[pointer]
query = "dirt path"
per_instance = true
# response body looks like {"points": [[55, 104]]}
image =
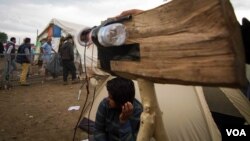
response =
{"points": [[40, 112]]}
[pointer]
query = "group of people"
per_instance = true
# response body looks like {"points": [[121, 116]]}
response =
{"points": [[118, 115], [23, 57], [66, 56]]}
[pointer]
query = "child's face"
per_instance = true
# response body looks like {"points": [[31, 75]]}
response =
{"points": [[111, 102]]}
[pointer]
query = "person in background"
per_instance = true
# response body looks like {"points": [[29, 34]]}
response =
{"points": [[118, 115], [47, 50], [40, 59], [10, 56], [32, 55], [62, 39], [77, 62], [24, 58], [1, 49], [67, 55]]}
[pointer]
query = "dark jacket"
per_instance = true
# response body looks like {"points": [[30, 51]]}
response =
{"points": [[22, 56], [66, 51], [1, 48]]}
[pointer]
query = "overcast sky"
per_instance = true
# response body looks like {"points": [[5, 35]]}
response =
{"points": [[22, 18]]}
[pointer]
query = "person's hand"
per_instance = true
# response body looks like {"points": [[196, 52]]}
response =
{"points": [[127, 111], [129, 12], [33, 63], [54, 50], [8, 57]]}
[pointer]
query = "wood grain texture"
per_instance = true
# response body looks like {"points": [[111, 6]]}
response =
{"points": [[192, 42]]}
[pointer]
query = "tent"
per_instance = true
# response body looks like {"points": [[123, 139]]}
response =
{"points": [[191, 113], [57, 28]]}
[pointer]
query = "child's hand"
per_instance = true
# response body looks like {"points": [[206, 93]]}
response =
{"points": [[127, 111]]}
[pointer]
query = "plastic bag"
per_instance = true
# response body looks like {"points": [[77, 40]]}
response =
{"points": [[54, 66]]}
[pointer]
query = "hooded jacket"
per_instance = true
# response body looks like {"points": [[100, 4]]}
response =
{"points": [[66, 51]]}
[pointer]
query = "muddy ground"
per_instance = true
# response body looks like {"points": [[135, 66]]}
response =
{"points": [[39, 112]]}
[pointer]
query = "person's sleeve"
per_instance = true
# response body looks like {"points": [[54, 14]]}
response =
{"points": [[42, 46], [9, 49], [126, 132], [72, 52], [54, 51], [45, 48], [27, 54], [130, 129], [8, 55], [99, 133], [60, 51]]}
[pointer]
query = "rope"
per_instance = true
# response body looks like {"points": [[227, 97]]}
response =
{"points": [[87, 88]]}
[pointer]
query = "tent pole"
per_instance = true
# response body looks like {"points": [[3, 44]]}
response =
{"points": [[151, 118]]}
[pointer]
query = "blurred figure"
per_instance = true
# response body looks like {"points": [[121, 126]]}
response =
{"points": [[1, 49], [24, 58], [10, 56], [47, 50], [32, 55], [77, 62], [67, 55], [40, 59], [61, 42]]}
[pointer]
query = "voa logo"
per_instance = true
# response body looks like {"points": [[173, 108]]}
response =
{"points": [[236, 132]]}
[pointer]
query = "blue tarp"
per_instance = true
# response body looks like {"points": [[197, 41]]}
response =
{"points": [[56, 31]]}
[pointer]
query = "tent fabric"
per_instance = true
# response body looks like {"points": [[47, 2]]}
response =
{"points": [[50, 32], [212, 127], [73, 29], [186, 115], [239, 101], [248, 72], [218, 102]]}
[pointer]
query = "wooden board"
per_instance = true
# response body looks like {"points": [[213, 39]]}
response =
{"points": [[191, 42]]}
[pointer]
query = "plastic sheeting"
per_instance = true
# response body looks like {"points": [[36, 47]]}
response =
{"points": [[54, 66], [56, 31]]}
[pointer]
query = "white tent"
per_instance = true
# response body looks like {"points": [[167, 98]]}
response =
{"points": [[188, 111], [72, 29]]}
